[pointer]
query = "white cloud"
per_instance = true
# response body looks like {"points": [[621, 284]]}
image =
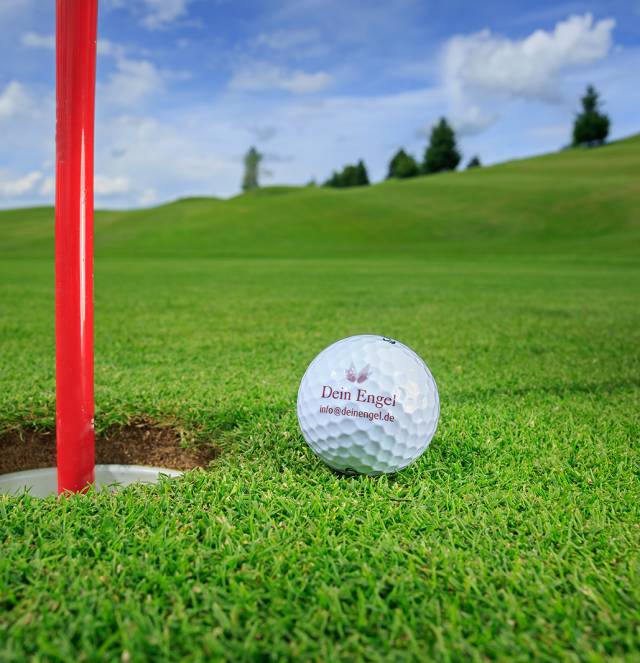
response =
{"points": [[34, 40], [133, 81], [529, 67], [27, 126], [472, 119], [143, 160], [153, 14], [148, 197], [260, 76], [109, 48], [14, 100], [19, 186], [103, 185], [162, 12], [306, 42], [48, 187], [482, 64]]}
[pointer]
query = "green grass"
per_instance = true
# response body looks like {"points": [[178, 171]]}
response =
{"points": [[517, 534]]}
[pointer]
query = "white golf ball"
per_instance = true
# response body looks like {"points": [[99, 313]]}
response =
{"points": [[368, 404]]}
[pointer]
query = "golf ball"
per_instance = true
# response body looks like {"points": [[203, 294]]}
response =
{"points": [[368, 404]]}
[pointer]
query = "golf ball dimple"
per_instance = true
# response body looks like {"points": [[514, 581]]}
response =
{"points": [[368, 404]]}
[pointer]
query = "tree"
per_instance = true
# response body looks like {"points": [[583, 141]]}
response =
{"points": [[442, 153], [252, 161], [362, 178], [402, 166], [474, 162], [591, 127], [335, 180], [349, 176]]}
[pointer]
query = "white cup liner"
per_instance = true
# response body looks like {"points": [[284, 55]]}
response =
{"points": [[44, 482]]}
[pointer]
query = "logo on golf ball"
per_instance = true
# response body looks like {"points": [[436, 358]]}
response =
{"points": [[377, 415], [355, 376]]}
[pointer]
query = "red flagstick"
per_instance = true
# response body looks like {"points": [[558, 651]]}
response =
{"points": [[76, 29]]}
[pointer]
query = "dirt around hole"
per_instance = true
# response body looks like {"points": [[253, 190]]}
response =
{"points": [[134, 444]]}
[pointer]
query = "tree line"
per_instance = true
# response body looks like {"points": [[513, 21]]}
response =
{"points": [[590, 128]]}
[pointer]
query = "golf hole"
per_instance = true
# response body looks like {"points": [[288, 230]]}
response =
{"points": [[44, 482], [137, 452]]}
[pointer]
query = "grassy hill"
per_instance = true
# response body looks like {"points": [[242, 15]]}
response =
{"points": [[514, 537], [574, 202]]}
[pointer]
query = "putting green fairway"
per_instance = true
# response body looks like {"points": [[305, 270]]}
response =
{"points": [[515, 536]]}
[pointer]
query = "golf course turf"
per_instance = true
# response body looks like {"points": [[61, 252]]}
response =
{"points": [[515, 536]]}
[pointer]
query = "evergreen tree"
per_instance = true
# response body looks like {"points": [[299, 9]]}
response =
{"points": [[402, 166], [335, 180], [474, 162], [252, 161], [362, 176], [591, 127], [442, 153], [349, 176]]}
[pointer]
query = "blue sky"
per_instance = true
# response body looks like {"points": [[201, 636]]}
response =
{"points": [[186, 86]]}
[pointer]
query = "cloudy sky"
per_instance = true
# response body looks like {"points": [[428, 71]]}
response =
{"points": [[186, 86]]}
